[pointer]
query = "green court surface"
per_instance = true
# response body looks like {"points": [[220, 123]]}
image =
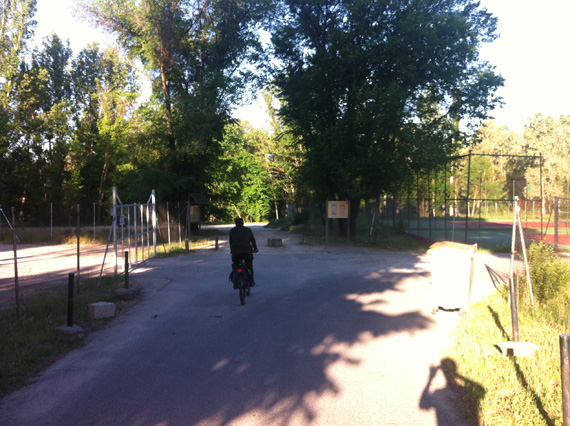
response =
{"points": [[491, 235]]}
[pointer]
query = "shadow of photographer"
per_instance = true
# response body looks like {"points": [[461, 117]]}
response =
{"points": [[457, 395]]}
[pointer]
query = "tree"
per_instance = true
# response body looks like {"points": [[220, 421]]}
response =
{"points": [[106, 92], [40, 125], [16, 28], [373, 88], [548, 137], [195, 52], [241, 181]]}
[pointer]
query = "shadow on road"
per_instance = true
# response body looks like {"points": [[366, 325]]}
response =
{"points": [[205, 360], [277, 362], [454, 393]]}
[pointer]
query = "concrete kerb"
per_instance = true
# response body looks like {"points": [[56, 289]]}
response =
{"points": [[68, 333]]}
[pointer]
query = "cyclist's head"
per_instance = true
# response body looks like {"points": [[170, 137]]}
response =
{"points": [[239, 221]]}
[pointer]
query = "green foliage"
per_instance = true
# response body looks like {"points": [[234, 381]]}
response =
{"points": [[550, 275], [550, 279], [373, 88], [516, 390], [240, 180]]}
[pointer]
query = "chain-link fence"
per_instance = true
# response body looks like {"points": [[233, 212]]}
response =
{"points": [[29, 261], [34, 258], [561, 235], [487, 222]]}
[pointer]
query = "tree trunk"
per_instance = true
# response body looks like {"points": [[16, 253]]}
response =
{"points": [[354, 210]]}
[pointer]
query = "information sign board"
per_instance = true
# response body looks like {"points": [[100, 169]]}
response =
{"points": [[337, 209]]}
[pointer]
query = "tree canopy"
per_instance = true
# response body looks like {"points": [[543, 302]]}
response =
{"points": [[374, 88], [363, 94]]}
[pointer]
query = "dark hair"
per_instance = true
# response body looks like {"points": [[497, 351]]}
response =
{"points": [[239, 221]]}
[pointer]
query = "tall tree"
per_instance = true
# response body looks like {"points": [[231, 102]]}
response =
{"points": [[106, 91], [241, 181], [16, 28], [548, 137], [150, 31], [375, 87], [41, 104]]}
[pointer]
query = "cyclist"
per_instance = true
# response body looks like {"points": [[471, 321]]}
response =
{"points": [[242, 246]]}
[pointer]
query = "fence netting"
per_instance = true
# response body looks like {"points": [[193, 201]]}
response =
{"points": [[37, 258]]}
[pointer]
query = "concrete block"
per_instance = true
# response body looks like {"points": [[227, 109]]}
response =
{"points": [[65, 332], [126, 293], [517, 348], [100, 310], [275, 242]]}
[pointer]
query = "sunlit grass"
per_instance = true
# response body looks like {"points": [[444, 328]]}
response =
{"points": [[518, 390]]}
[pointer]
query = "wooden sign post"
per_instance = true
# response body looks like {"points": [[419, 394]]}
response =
{"points": [[338, 210]]}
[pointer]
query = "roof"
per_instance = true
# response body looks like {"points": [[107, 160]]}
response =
{"points": [[197, 198]]}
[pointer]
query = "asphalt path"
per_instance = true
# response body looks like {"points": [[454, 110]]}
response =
{"points": [[329, 336]]}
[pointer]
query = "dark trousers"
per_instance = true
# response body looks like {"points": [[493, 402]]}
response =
{"points": [[248, 261]]}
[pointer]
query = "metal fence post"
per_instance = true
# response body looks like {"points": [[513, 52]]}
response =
{"points": [[94, 223], [126, 269], [565, 376], [15, 246], [78, 246], [168, 223], [70, 292]]}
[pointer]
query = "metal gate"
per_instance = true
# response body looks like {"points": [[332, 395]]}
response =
{"points": [[133, 233]]}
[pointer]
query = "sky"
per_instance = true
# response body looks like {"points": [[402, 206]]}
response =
{"points": [[531, 54]]}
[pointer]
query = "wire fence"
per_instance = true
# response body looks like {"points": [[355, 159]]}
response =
{"points": [[26, 267], [487, 222], [40, 258]]}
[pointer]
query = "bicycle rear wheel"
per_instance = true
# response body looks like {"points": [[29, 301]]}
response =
{"points": [[242, 290]]}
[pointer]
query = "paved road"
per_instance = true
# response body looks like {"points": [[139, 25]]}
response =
{"points": [[329, 337]]}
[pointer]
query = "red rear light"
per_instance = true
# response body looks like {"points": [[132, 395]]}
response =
{"points": [[240, 271]]}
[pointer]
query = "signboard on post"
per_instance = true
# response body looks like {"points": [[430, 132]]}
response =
{"points": [[337, 210], [194, 214]]}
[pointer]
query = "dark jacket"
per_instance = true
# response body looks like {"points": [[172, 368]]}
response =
{"points": [[242, 240]]}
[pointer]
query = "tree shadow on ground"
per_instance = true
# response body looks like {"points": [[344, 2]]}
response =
{"points": [[207, 361], [277, 366]]}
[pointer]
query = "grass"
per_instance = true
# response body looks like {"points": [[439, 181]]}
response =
{"points": [[30, 344], [57, 235], [508, 390], [518, 390], [386, 238]]}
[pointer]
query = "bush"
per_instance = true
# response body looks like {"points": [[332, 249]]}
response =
{"points": [[550, 279], [550, 275], [282, 224], [301, 217]]}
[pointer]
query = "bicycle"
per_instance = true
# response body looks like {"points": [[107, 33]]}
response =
{"points": [[243, 282]]}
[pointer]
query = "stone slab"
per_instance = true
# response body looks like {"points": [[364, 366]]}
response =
{"points": [[65, 332], [100, 310], [126, 293]]}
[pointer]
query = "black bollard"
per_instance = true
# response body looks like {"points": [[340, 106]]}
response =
{"points": [[216, 243], [126, 269], [70, 292]]}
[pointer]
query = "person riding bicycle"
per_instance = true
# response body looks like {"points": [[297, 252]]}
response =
{"points": [[242, 246]]}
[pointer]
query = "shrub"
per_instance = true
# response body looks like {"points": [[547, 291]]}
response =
{"points": [[550, 275]]}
